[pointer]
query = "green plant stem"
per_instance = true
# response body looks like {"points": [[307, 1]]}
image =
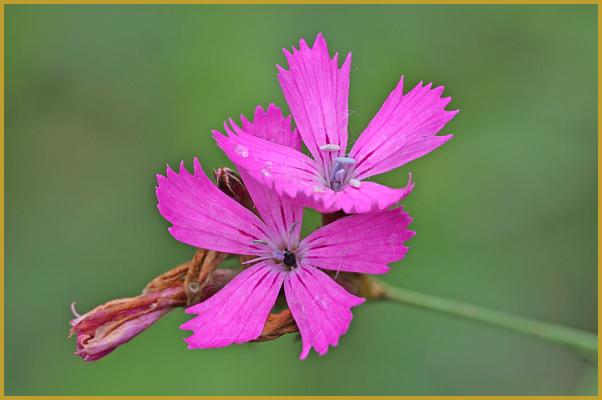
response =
{"points": [[583, 342]]}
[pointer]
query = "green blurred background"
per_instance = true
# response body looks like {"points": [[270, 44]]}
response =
{"points": [[100, 98]]}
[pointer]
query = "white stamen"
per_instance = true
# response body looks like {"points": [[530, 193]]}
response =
{"points": [[291, 228], [259, 241], [278, 255], [355, 182], [256, 259], [330, 147]]}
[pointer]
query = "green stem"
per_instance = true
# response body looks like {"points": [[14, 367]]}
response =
{"points": [[584, 343]]}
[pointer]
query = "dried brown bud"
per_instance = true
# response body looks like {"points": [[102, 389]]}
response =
{"points": [[230, 183], [103, 329], [328, 218]]}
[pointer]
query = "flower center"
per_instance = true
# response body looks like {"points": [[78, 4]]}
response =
{"points": [[341, 172], [289, 259], [286, 257]]}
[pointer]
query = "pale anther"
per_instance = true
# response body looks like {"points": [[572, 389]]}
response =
{"points": [[345, 160], [355, 182], [330, 147]]}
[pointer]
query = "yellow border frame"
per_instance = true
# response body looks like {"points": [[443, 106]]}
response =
{"points": [[245, 2], [285, 2]]}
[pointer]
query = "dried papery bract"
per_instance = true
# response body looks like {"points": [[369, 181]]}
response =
{"points": [[200, 273], [104, 328], [278, 324]]}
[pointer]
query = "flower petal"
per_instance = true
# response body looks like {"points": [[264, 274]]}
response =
{"points": [[363, 243], [237, 313], [316, 91], [403, 129], [286, 170], [282, 215], [205, 217], [367, 198], [320, 306], [271, 125]]}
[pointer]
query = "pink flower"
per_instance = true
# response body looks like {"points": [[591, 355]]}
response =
{"points": [[316, 90], [205, 217]]}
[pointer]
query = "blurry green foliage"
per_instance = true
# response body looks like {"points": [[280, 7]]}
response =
{"points": [[100, 98]]}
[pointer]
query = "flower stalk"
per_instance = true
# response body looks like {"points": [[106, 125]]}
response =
{"points": [[582, 342]]}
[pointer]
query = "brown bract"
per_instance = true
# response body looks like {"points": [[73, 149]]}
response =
{"points": [[104, 328]]}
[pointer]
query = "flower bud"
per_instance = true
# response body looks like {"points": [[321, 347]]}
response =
{"points": [[230, 183]]}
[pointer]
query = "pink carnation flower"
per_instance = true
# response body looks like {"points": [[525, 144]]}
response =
{"points": [[316, 90], [203, 216]]}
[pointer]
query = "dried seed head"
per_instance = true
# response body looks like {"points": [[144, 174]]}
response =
{"points": [[194, 287]]}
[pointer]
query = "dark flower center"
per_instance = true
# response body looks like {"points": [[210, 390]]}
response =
{"points": [[289, 259]]}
